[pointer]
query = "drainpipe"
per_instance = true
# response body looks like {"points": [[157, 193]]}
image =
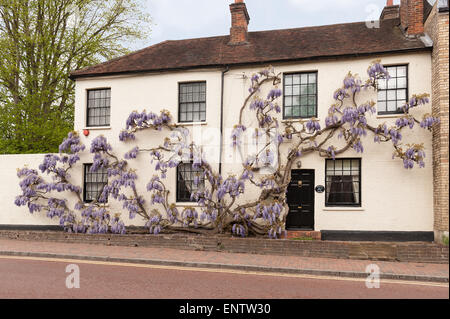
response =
{"points": [[227, 68]]}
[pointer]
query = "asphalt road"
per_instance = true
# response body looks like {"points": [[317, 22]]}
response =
{"points": [[43, 278]]}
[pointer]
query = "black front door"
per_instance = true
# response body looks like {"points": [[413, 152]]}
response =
{"points": [[300, 198]]}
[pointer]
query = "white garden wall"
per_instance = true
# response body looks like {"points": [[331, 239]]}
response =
{"points": [[10, 214]]}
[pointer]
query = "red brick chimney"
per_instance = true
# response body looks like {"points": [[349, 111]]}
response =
{"points": [[390, 11], [239, 23], [411, 16]]}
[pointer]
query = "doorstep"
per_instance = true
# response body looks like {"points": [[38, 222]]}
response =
{"points": [[303, 235]]}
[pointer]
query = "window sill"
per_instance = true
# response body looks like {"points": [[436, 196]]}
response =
{"points": [[344, 209], [191, 123], [100, 205], [97, 128], [303, 119], [389, 116], [187, 204]]}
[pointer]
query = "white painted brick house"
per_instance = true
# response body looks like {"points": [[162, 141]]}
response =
{"points": [[203, 83]]}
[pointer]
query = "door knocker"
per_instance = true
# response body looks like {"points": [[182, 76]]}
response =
{"points": [[300, 183]]}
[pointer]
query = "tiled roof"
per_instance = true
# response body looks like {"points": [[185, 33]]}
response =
{"points": [[350, 39]]}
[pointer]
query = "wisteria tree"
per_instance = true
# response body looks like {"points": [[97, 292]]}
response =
{"points": [[221, 205]]}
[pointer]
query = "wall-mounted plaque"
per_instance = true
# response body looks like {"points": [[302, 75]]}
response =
{"points": [[320, 188]]}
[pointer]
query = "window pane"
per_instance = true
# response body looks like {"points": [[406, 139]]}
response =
{"points": [[304, 100], [391, 106], [330, 165], [288, 111], [392, 83], [392, 71], [304, 89], [391, 95], [196, 96], [401, 95], [382, 106], [288, 80], [288, 90], [401, 83], [288, 101], [346, 165], [196, 117], [304, 78], [401, 71]]}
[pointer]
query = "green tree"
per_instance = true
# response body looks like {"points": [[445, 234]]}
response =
{"points": [[41, 42]]}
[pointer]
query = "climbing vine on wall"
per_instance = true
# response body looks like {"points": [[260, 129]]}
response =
{"points": [[221, 206]]}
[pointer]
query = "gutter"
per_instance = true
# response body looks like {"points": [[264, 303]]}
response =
{"points": [[227, 68]]}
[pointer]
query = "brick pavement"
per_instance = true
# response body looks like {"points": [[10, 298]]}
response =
{"points": [[211, 259]]}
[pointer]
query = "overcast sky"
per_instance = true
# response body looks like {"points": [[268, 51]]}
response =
{"points": [[185, 19]]}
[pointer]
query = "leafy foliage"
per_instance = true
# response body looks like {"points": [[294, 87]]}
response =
{"points": [[41, 42]]}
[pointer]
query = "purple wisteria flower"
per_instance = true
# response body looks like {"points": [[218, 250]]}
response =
{"points": [[405, 121], [132, 154], [100, 144], [428, 122], [313, 125], [274, 94], [332, 152], [236, 135]]}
